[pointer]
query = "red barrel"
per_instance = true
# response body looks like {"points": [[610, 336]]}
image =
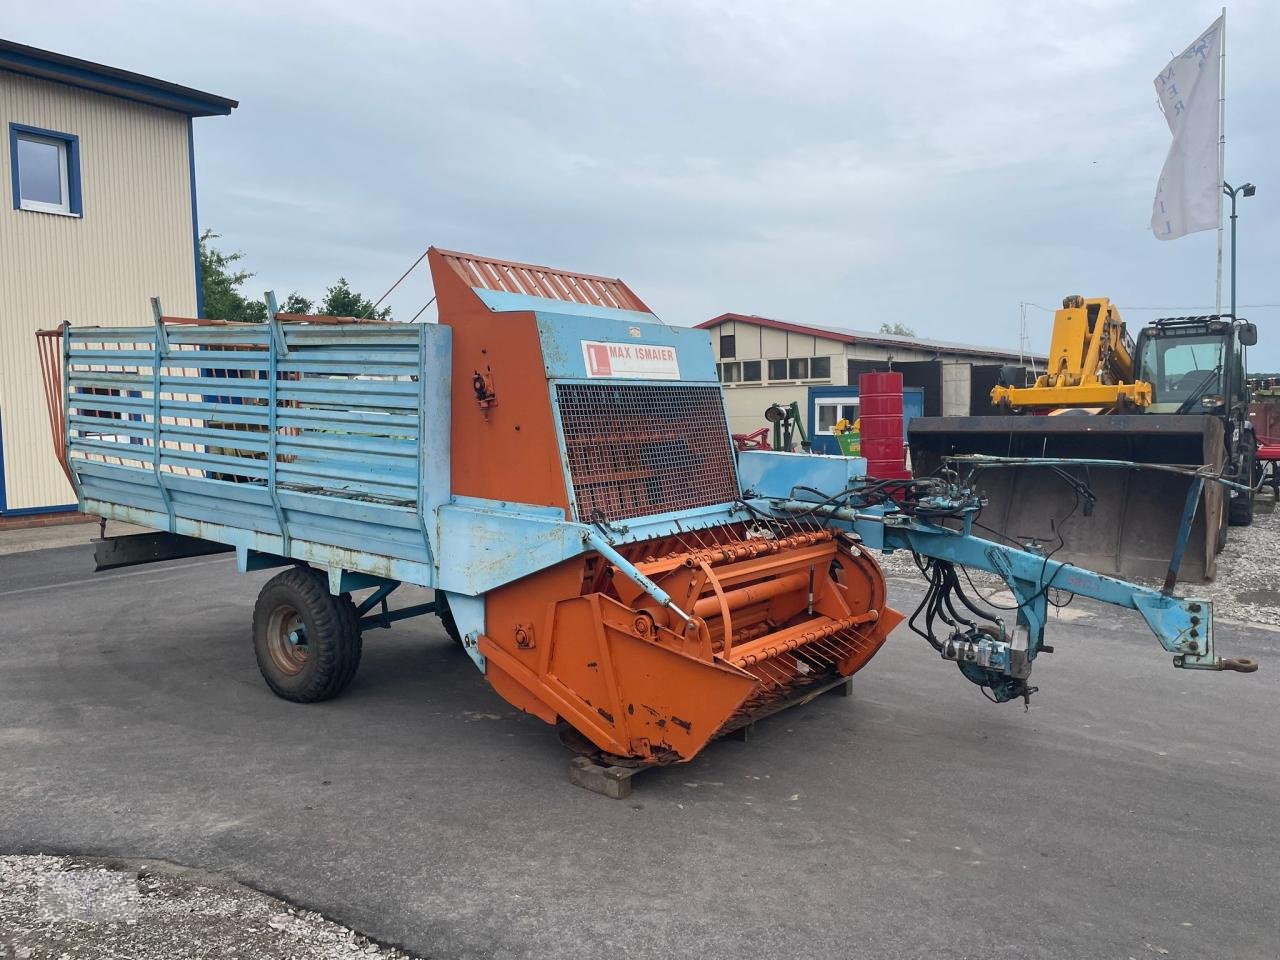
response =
{"points": [[882, 405], [880, 410], [882, 427], [886, 451]]}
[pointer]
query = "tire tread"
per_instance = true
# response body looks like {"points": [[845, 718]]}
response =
{"points": [[333, 635]]}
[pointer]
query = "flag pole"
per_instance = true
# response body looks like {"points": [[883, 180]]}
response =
{"points": [[1222, 149]]}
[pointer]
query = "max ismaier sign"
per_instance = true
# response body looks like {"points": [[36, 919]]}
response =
{"points": [[631, 361]]}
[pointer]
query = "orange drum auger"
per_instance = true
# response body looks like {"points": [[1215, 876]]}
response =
{"points": [[772, 619], [555, 463]]}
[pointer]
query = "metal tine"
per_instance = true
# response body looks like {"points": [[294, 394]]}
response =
{"points": [[822, 658], [833, 651], [821, 651], [702, 544], [766, 671], [779, 679], [837, 642], [856, 644]]}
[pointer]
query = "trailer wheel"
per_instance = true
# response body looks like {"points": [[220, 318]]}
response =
{"points": [[306, 640], [446, 618]]}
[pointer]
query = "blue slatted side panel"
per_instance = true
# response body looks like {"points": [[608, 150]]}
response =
{"points": [[342, 468]]}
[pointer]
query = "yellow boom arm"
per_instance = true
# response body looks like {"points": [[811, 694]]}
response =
{"points": [[1090, 363]]}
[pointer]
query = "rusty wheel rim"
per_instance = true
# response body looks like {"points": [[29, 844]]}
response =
{"points": [[286, 640]]}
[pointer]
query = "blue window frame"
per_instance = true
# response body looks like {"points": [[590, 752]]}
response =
{"points": [[45, 168]]}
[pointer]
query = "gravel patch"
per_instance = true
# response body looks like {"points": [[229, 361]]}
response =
{"points": [[1247, 588], [72, 908]]}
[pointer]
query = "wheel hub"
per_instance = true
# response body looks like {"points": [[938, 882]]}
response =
{"points": [[287, 640]]}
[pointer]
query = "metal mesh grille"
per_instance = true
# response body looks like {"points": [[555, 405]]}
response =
{"points": [[636, 450]]}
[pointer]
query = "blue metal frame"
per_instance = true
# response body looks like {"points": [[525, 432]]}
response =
{"points": [[1184, 626], [195, 218], [40, 511], [59, 68], [4, 501], [358, 464], [75, 200]]}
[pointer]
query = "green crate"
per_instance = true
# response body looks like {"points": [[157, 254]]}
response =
{"points": [[850, 444]]}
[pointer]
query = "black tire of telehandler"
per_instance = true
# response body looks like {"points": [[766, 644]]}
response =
{"points": [[1240, 509], [332, 628], [1240, 512]]}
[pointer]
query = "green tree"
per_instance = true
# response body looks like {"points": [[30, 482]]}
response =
{"points": [[341, 301], [897, 329], [296, 303], [222, 276]]}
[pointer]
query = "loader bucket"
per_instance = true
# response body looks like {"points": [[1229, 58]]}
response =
{"points": [[1132, 528]]}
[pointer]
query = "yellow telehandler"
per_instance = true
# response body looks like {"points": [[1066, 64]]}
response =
{"points": [[1169, 415]]}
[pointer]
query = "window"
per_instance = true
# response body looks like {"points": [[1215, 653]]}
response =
{"points": [[45, 170], [798, 368], [728, 346], [730, 372], [1186, 368], [820, 368], [777, 369], [831, 411], [750, 371]]}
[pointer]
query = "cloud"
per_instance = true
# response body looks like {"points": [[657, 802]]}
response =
{"points": [[938, 163]]}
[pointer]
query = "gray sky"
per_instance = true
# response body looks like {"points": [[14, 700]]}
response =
{"points": [[931, 163]]}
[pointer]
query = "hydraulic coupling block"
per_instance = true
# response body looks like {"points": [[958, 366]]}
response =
{"points": [[992, 660], [979, 648]]}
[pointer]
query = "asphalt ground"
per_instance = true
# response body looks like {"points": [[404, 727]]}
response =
{"points": [[1130, 813]]}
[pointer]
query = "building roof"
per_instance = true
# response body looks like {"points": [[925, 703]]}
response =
{"points": [[845, 335], [47, 65]]}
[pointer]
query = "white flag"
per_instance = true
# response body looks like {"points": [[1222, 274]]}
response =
{"points": [[1187, 196]]}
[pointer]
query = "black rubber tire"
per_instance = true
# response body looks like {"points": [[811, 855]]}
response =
{"points": [[446, 618], [332, 627], [1240, 512], [1240, 509]]}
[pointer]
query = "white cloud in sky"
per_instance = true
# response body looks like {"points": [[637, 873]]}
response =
{"points": [[930, 163]]}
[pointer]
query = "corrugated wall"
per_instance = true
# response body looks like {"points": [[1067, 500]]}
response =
{"points": [[133, 243]]}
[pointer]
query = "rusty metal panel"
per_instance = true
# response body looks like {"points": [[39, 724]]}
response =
{"points": [[506, 276], [640, 449]]}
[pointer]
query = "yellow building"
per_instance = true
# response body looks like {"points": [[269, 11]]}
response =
{"points": [[102, 216]]}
